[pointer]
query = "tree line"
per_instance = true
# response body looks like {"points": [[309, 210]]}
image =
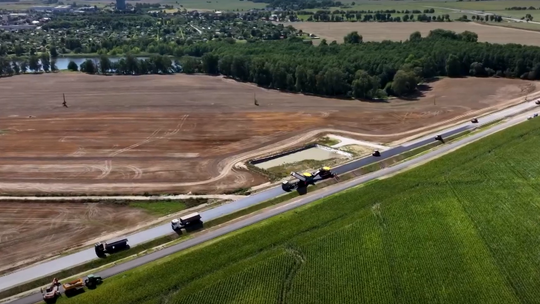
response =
{"points": [[379, 17], [358, 69], [35, 64], [520, 8], [363, 69], [354, 12], [129, 65]]}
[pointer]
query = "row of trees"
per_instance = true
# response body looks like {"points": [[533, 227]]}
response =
{"points": [[380, 17], [129, 65], [354, 12], [35, 64], [520, 8], [360, 69]]}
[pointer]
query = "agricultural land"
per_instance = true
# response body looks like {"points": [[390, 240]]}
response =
{"points": [[460, 229], [32, 230], [187, 133], [372, 31], [72, 224]]}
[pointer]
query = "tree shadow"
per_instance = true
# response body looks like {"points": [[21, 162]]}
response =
{"points": [[421, 89]]}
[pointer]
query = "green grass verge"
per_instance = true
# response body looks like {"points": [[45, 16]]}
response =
{"points": [[460, 229], [301, 166], [327, 141], [160, 208]]}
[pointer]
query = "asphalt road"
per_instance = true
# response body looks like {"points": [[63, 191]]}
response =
{"points": [[71, 260]]}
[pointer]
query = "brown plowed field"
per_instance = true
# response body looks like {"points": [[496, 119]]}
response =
{"points": [[396, 31], [185, 133], [36, 230]]}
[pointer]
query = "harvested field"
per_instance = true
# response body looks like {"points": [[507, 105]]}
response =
{"points": [[185, 133], [34, 230], [376, 31]]}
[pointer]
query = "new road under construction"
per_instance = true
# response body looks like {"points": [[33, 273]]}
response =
{"points": [[517, 114]]}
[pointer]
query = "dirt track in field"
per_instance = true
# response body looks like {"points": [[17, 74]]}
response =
{"points": [[185, 133], [31, 230], [379, 31]]}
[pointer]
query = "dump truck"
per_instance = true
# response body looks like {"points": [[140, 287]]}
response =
{"points": [[305, 179], [103, 248], [186, 221], [51, 292], [73, 285]]}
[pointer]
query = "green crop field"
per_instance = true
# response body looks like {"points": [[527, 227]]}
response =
{"points": [[461, 229]]}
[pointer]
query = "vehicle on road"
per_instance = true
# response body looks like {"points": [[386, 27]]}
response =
{"points": [[305, 179], [439, 138], [185, 221], [474, 120], [92, 280], [103, 248], [376, 153], [78, 283], [52, 292], [537, 102]]}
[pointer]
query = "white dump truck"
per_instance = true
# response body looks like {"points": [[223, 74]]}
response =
{"points": [[186, 220]]}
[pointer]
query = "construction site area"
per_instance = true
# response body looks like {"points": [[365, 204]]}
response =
{"points": [[62, 226], [130, 135], [183, 134]]}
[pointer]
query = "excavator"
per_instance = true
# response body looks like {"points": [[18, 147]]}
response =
{"points": [[305, 179]]}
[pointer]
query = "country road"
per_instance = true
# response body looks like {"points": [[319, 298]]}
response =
{"points": [[71, 260]]}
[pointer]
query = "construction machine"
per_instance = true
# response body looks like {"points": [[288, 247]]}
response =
{"points": [[376, 153], [474, 120], [537, 102], [305, 179], [92, 280], [51, 292], [439, 138]]}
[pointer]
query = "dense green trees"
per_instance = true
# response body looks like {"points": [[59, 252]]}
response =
{"points": [[72, 66], [453, 66], [363, 70], [353, 38], [364, 85]]}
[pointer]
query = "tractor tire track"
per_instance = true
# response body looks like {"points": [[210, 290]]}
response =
{"points": [[300, 260], [107, 170]]}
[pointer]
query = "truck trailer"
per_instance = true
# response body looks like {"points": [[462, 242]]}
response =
{"points": [[186, 221], [103, 248]]}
